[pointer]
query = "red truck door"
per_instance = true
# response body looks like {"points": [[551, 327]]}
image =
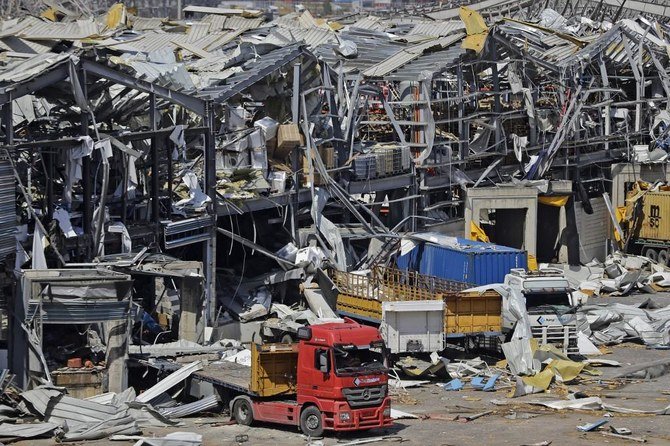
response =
{"points": [[313, 382]]}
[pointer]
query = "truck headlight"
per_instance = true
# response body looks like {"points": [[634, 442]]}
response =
{"points": [[387, 412], [345, 416]]}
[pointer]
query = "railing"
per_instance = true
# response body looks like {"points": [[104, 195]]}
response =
{"points": [[390, 284]]}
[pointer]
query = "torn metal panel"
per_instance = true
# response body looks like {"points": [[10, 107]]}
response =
{"points": [[170, 381], [408, 54], [185, 410], [120, 424], [11, 431], [262, 67]]}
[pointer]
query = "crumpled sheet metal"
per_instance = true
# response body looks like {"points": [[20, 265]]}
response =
{"points": [[11, 431], [620, 275], [614, 323], [514, 308], [78, 420], [526, 359]]}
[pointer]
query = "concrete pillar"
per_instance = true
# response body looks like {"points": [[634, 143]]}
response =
{"points": [[117, 355], [190, 320]]}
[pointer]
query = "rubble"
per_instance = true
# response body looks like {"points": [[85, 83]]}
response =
{"points": [[181, 190]]}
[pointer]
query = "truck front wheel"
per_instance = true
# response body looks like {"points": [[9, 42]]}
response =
{"points": [[243, 412], [311, 422]]}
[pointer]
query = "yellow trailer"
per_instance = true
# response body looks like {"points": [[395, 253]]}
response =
{"points": [[466, 313], [649, 214]]}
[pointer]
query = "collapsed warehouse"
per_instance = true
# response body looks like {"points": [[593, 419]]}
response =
{"points": [[193, 180]]}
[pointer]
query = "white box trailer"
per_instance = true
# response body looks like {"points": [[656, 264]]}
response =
{"points": [[413, 326]]}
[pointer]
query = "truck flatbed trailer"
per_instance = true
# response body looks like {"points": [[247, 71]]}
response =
{"points": [[229, 375]]}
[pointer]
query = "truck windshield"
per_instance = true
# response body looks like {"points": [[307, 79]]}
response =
{"points": [[547, 301], [361, 359]]}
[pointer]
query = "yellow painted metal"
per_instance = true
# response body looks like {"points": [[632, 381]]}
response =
{"points": [[472, 312], [50, 14], [116, 15], [655, 224], [477, 233], [466, 312], [273, 369], [476, 29], [557, 200], [473, 21], [361, 306]]}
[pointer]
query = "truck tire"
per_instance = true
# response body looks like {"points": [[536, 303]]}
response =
{"points": [[663, 257], [651, 254], [311, 422], [243, 412]]}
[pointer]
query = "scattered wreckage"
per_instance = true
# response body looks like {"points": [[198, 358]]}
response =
{"points": [[168, 184]]}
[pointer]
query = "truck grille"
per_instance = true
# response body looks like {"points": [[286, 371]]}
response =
{"points": [[365, 396], [563, 337]]}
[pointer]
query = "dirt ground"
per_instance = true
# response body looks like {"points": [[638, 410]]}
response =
{"points": [[437, 408]]}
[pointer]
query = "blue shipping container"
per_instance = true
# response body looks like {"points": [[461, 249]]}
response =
{"points": [[472, 262]]}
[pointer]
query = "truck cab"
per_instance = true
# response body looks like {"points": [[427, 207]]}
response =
{"points": [[337, 380], [550, 306]]}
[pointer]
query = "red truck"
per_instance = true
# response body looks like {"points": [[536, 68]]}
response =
{"points": [[335, 378]]}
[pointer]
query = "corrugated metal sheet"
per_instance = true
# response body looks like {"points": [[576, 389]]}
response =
{"points": [[169, 382], [81, 29], [197, 31], [56, 407], [7, 209], [434, 63], [217, 22], [370, 22], [150, 41], [253, 72], [147, 23], [313, 37], [592, 230], [80, 312], [32, 430], [216, 40], [12, 43], [239, 23], [23, 69], [470, 261], [206, 403], [13, 27], [408, 54], [437, 29], [173, 75], [298, 20], [373, 48], [493, 5]]}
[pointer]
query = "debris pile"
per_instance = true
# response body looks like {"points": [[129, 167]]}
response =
{"points": [[192, 194]]}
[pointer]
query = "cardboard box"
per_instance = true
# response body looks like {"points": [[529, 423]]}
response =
{"points": [[328, 157], [288, 137]]}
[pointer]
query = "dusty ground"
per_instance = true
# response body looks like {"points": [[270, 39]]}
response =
{"points": [[493, 429]]}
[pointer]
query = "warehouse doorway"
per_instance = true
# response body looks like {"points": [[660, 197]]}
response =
{"points": [[548, 227], [506, 227]]}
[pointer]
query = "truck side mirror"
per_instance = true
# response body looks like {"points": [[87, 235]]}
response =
{"points": [[322, 361]]}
